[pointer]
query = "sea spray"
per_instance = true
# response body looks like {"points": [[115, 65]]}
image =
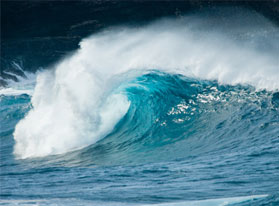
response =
{"points": [[80, 100]]}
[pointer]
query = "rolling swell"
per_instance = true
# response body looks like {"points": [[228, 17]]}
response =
{"points": [[174, 117]]}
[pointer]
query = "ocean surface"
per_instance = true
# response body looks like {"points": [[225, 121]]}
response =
{"points": [[178, 111]]}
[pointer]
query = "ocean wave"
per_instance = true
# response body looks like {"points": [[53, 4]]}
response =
{"points": [[172, 76]]}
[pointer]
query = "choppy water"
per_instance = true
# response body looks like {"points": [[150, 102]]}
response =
{"points": [[179, 112]]}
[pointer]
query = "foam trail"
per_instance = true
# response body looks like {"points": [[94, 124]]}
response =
{"points": [[77, 103], [214, 202], [209, 202]]}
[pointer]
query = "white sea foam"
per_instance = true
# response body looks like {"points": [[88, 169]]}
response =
{"points": [[75, 104], [213, 202], [65, 117], [72, 201], [25, 85]]}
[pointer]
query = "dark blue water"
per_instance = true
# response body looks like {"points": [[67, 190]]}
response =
{"points": [[147, 117]]}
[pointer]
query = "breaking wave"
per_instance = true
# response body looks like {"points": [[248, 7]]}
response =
{"points": [[186, 83]]}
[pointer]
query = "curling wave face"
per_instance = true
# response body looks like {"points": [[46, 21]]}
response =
{"points": [[174, 117], [171, 82]]}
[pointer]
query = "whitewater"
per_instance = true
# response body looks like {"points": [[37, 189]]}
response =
{"points": [[180, 111], [80, 98]]}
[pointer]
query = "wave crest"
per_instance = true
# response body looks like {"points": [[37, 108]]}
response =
{"points": [[84, 97]]}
